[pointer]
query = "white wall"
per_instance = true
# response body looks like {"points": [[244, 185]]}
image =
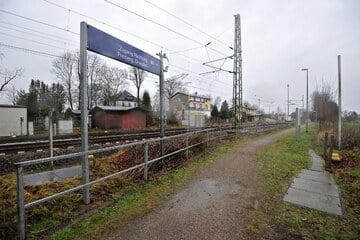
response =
{"points": [[10, 123]]}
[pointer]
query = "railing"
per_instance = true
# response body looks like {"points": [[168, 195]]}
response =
{"points": [[210, 135]]}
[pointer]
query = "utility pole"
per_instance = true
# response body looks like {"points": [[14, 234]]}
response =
{"points": [[339, 122], [307, 98], [161, 80], [259, 105], [237, 79], [288, 103]]}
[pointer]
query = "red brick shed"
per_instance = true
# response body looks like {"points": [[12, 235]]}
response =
{"points": [[118, 117]]}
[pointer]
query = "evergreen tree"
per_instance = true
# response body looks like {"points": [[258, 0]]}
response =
{"points": [[224, 110], [146, 104], [215, 112]]}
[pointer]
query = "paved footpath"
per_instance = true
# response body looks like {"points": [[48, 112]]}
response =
{"points": [[211, 206], [315, 188]]}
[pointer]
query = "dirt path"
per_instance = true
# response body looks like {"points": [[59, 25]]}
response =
{"points": [[211, 206]]}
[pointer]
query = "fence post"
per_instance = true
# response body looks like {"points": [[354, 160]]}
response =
{"points": [[20, 203], [325, 147], [187, 147], [220, 134], [146, 158]]}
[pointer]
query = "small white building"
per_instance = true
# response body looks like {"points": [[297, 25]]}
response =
{"points": [[13, 120]]}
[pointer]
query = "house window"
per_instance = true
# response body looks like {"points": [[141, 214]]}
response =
{"points": [[183, 114], [123, 104], [129, 104]]}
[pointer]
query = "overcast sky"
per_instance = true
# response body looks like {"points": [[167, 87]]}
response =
{"points": [[278, 39]]}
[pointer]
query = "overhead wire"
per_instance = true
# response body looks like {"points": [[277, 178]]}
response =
{"points": [[187, 23], [163, 26], [37, 35], [39, 22], [26, 39], [33, 30], [31, 51]]}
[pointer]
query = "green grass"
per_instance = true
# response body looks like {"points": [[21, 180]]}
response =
{"points": [[280, 162], [143, 198]]}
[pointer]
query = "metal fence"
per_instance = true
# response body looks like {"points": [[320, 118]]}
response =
{"points": [[187, 140]]}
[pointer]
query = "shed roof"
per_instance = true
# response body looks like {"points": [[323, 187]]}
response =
{"points": [[116, 108], [11, 106]]}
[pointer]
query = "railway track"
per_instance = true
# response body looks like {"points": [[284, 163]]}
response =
{"points": [[26, 144], [33, 145]]}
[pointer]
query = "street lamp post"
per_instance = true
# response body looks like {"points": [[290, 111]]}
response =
{"points": [[307, 98]]}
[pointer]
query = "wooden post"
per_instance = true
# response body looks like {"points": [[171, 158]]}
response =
{"points": [[332, 144], [325, 155]]}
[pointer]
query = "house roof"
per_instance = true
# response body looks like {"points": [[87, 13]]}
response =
{"points": [[116, 108], [126, 96], [188, 94]]}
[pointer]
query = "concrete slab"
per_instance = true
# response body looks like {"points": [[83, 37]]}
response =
{"points": [[317, 161], [316, 176], [317, 201], [55, 175], [316, 187]]}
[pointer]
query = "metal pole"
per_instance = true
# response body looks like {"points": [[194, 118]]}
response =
{"points": [[307, 100], [84, 110], [339, 122], [20, 203], [288, 103], [297, 125], [146, 158], [51, 136]]}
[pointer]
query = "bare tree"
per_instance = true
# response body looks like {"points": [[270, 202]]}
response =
{"points": [[8, 75], [175, 84], [113, 82], [324, 105], [137, 76], [63, 68], [94, 65], [12, 94]]}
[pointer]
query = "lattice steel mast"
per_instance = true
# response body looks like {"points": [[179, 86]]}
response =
{"points": [[237, 81]]}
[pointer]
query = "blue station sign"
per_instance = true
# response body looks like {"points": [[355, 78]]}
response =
{"points": [[109, 46]]}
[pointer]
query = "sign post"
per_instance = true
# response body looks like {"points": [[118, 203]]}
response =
{"points": [[97, 41], [84, 110]]}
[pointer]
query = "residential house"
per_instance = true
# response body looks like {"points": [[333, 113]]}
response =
{"points": [[126, 99], [190, 109]]}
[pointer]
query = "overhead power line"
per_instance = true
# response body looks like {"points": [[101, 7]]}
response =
{"points": [[31, 51], [163, 26], [37, 21], [37, 35], [26, 39], [187, 23], [44, 33]]}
